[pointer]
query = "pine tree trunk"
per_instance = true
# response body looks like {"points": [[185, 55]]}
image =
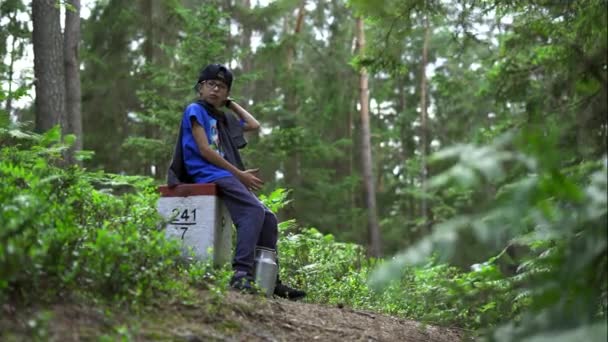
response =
{"points": [[406, 149], [155, 36], [228, 7], [424, 129], [48, 65], [155, 17], [248, 56], [291, 47], [11, 69], [351, 162], [366, 152], [72, 76], [292, 164]]}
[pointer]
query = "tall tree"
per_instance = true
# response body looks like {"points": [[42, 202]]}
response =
{"points": [[247, 58], [72, 74], [154, 128], [110, 78], [293, 172], [48, 65], [14, 37], [308, 112], [424, 126], [366, 151], [11, 66], [291, 49]]}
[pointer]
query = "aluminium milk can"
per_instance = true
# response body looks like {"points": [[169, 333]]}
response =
{"points": [[265, 269]]}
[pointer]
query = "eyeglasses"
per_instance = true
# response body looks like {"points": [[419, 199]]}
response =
{"points": [[215, 84]]}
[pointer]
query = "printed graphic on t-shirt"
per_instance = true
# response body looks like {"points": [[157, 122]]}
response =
{"points": [[215, 138]]}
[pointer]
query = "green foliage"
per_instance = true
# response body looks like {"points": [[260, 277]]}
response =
{"points": [[68, 229], [330, 271], [306, 108], [518, 188], [337, 273], [520, 200], [442, 294], [563, 224], [276, 199], [87, 237], [168, 86]]}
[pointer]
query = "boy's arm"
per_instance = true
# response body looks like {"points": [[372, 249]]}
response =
{"points": [[251, 123], [246, 177]]}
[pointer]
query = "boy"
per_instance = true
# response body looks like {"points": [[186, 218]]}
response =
{"points": [[210, 140]]}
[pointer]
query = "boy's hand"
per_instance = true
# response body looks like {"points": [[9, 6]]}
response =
{"points": [[250, 180], [228, 102]]}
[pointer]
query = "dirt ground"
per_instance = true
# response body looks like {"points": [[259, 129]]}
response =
{"points": [[230, 317]]}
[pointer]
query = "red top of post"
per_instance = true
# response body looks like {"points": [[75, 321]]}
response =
{"points": [[185, 190]]}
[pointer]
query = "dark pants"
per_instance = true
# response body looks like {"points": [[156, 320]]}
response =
{"points": [[255, 224]]}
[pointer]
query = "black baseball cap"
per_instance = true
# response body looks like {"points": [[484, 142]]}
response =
{"points": [[215, 72]]}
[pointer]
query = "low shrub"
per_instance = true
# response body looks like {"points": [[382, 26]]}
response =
{"points": [[338, 273], [66, 229]]}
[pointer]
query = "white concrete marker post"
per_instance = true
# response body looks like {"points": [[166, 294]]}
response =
{"points": [[199, 219]]}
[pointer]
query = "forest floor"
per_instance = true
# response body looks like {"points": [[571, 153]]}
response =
{"points": [[230, 316]]}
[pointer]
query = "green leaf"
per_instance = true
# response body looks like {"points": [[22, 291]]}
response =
{"points": [[597, 332]]}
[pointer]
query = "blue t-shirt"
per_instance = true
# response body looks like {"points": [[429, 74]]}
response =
{"points": [[199, 168]]}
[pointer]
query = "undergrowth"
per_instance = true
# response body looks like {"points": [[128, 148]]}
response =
{"points": [[69, 230]]}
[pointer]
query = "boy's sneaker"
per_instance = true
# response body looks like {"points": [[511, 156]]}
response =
{"points": [[284, 291], [241, 281]]}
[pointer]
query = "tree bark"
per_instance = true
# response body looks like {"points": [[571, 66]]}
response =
{"points": [[228, 7], [72, 76], [366, 152], [11, 68], [154, 17], [291, 46], [48, 65], [293, 176], [247, 56], [155, 20], [424, 130]]}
